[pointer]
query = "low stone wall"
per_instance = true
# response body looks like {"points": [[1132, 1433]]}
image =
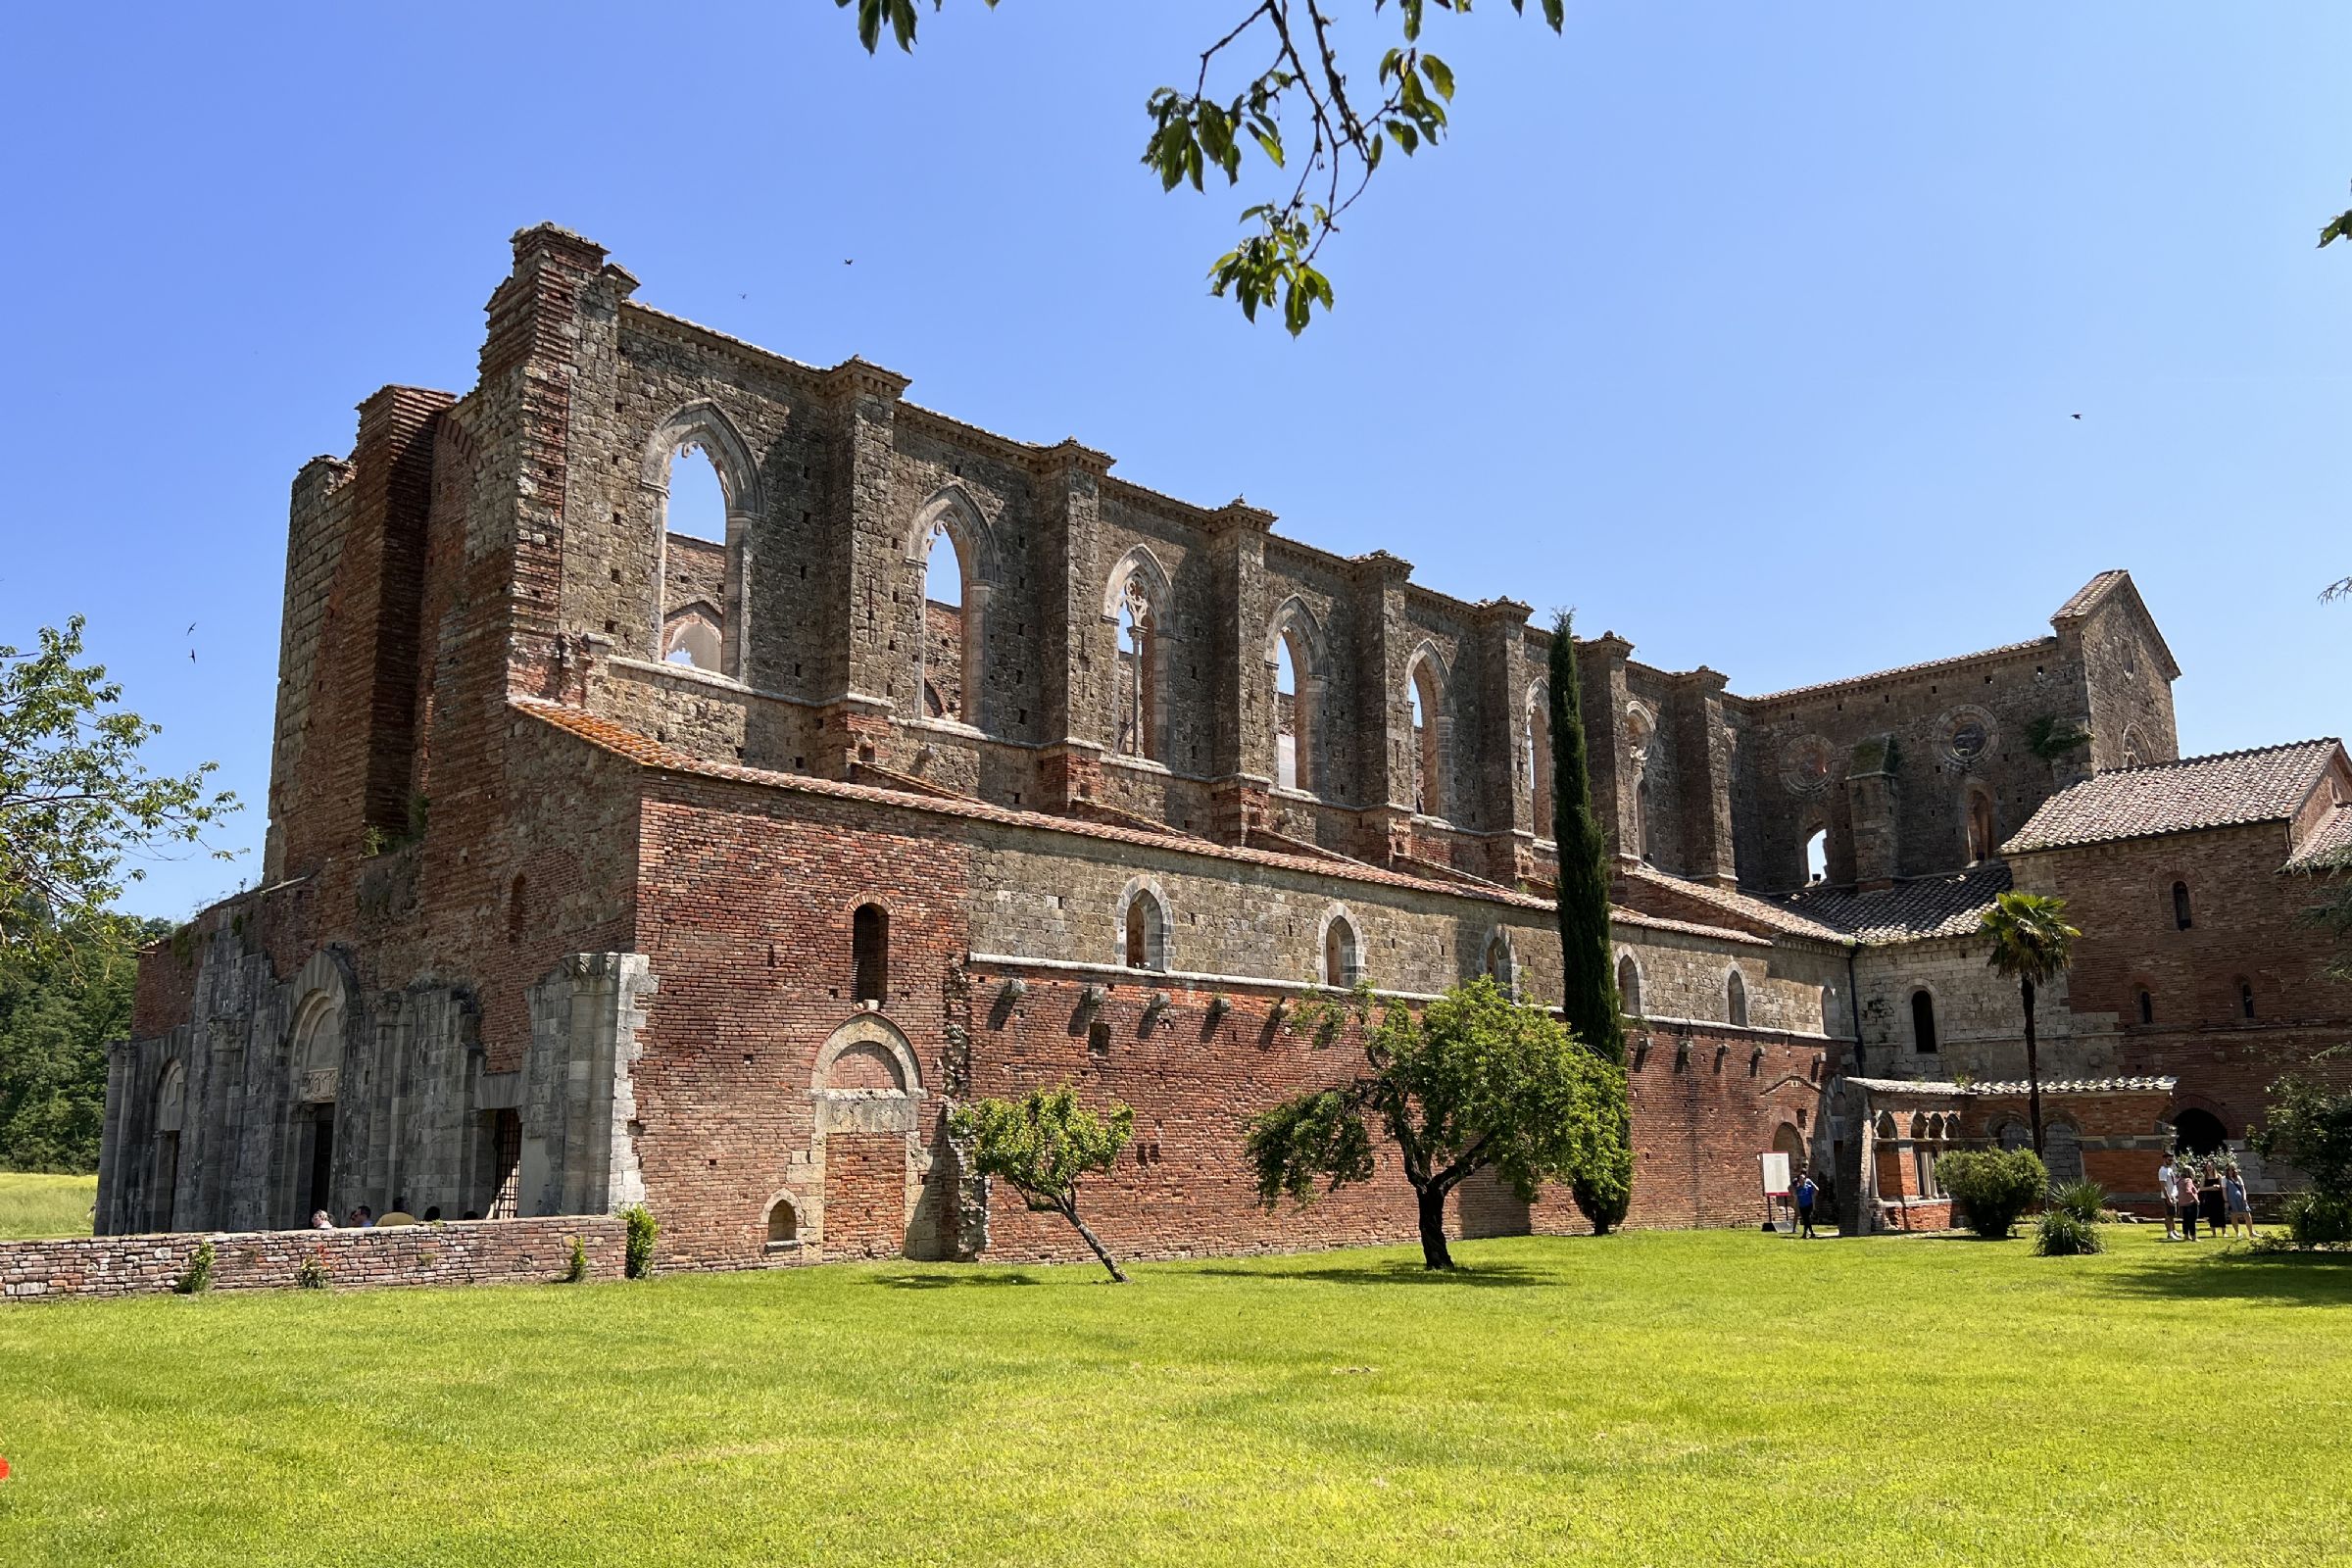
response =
{"points": [[489, 1251]]}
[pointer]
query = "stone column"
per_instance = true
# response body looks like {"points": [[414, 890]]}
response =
{"points": [[866, 591], [1870, 795], [1600, 670], [1376, 710], [578, 1156], [1068, 491], [1705, 745], [1241, 758]]}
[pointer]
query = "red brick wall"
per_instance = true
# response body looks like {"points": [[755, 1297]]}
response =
{"points": [[866, 1194], [511, 1252]]}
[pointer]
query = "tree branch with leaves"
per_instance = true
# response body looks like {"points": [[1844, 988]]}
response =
{"points": [[1041, 1146], [1474, 1082], [1280, 65], [75, 801]]}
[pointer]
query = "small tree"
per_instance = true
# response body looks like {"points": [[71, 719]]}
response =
{"points": [[2032, 943], [1475, 1082], [1042, 1145], [1589, 998], [1994, 1186], [2309, 1126]]}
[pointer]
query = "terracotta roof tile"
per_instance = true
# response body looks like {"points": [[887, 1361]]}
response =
{"points": [[1930, 907], [2327, 846], [647, 752], [2267, 784], [1736, 906], [1906, 670]]}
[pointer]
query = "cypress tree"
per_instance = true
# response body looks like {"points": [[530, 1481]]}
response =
{"points": [[1588, 977]]}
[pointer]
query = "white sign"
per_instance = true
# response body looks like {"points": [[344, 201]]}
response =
{"points": [[1775, 1174]]}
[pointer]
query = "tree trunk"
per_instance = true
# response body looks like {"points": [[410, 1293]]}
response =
{"points": [[1433, 1251], [2025, 989], [1070, 1211]]}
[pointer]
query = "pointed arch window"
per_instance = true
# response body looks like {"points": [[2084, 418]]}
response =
{"points": [[1145, 931], [1342, 961], [1425, 693], [1817, 855], [705, 489], [1735, 999], [1141, 674], [2180, 918], [950, 678], [1293, 652], [1981, 829], [1629, 987], [1539, 760]]}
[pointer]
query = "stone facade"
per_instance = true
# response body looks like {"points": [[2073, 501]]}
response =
{"points": [[608, 864]]}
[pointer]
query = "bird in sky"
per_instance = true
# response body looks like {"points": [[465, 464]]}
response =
{"points": [[2074, 416], [191, 631], [849, 261]]}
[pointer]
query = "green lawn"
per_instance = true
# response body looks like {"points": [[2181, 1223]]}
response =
{"points": [[45, 1205], [1649, 1398]]}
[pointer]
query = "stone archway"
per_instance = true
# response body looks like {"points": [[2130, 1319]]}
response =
{"points": [[2198, 1130], [868, 1100]]}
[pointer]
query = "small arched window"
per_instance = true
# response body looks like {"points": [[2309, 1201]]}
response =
{"points": [[1340, 963], [2245, 999], [1817, 855], [1923, 1022], [1629, 987], [869, 942], [2147, 1005], [1147, 932], [783, 1224], [2180, 920], [1735, 999]]}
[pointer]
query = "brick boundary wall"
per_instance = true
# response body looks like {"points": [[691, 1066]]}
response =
{"points": [[508, 1251]]}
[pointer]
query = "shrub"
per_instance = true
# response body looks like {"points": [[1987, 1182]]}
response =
{"points": [[2062, 1233], [2087, 1200], [1995, 1186], [575, 1271], [199, 1276], [638, 1260], [2314, 1219], [312, 1275]]}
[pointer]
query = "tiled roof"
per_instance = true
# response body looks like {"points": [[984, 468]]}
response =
{"points": [[2327, 845], [649, 752], [2267, 784], [2078, 1086], [1906, 670], [2091, 593], [1930, 907], [2016, 1086], [1736, 905]]}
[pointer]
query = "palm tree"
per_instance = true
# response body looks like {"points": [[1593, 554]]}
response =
{"points": [[2031, 940]]}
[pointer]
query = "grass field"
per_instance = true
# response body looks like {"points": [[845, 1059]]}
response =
{"points": [[1718, 1398], [45, 1205]]}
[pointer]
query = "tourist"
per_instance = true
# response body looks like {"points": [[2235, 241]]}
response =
{"points": [[2165, 1173], [361, 1218], [1806, 1194], [2184, 1199], [2240, 1206], [322, 1220], [432, 1216], [2209, 1202]]}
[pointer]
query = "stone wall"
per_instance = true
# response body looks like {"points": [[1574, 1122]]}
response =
{"points": [[521, 1251]]}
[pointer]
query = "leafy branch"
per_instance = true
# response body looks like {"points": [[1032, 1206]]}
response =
{"points": [[1293, 65], [74, 798]]}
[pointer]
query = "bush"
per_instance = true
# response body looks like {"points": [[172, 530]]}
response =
{"points": [[1994, 1186], [638, 1262], [2085, 1200], [312, 1275], [577, 1271], [2062, 1233], [199, 1276], [2314, 1219]]}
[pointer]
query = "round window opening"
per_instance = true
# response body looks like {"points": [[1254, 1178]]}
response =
{"points": [[1968, 739]]}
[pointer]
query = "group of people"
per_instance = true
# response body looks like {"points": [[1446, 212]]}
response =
{"points": [[2208, 1190], [362, 1219]]}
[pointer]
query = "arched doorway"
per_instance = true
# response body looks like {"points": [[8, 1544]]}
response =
{"points": [[868, 1106], [2196, 1130]]}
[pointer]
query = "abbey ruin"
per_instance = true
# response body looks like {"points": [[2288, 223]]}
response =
{"points": [[607, 865]]}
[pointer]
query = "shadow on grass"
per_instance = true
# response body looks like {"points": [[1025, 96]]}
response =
{"points": [[950, 1282], [1476, 1274], [2305, 1279]]}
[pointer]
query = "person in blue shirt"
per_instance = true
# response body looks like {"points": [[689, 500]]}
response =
{"points": [[1807, 1193]]}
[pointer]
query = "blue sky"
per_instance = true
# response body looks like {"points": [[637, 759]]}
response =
{"points": [[1751, 332]]}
